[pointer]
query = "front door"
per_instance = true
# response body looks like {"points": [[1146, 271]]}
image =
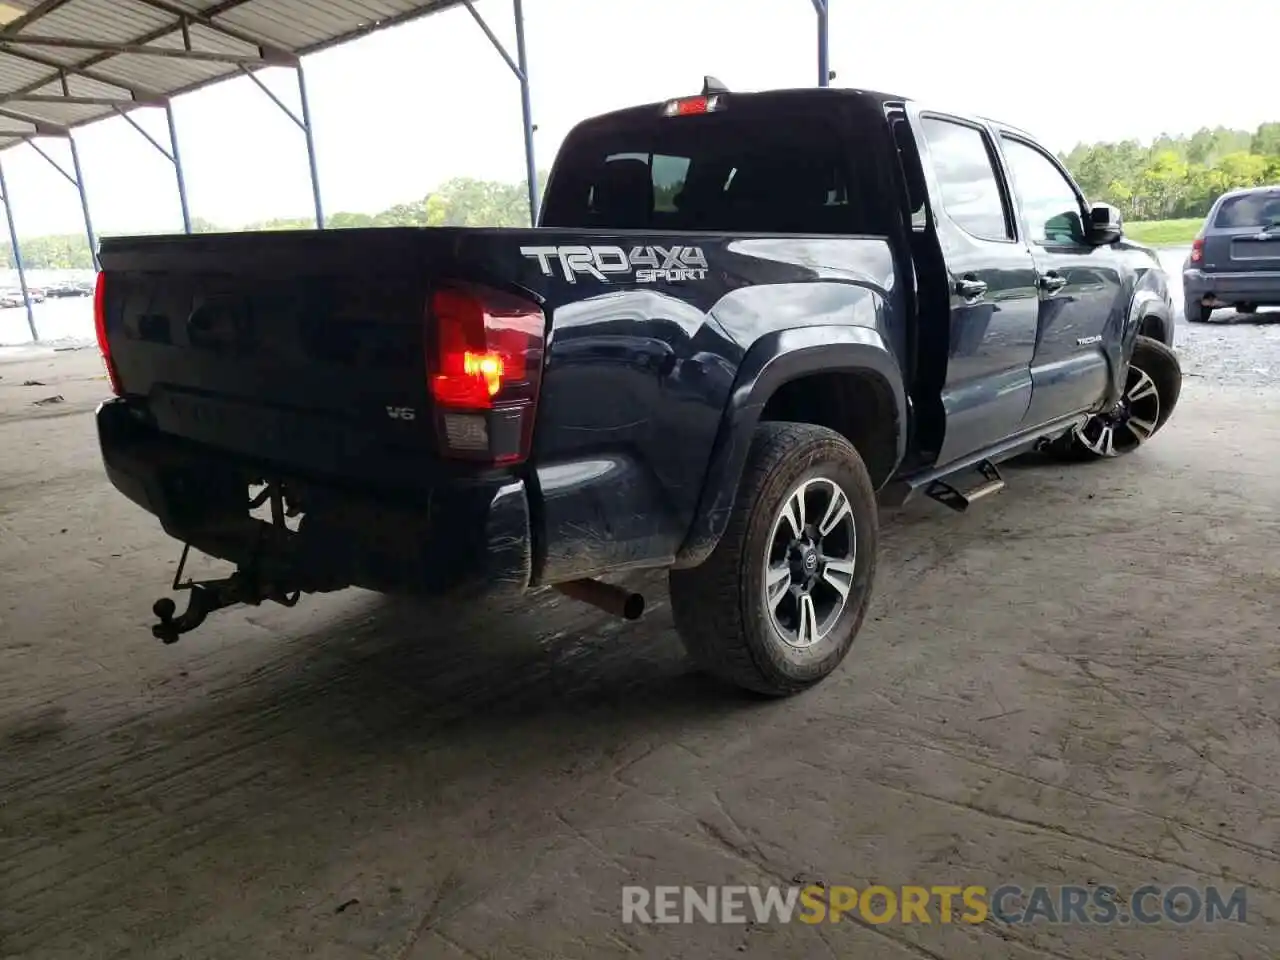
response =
{"points": [[992, 286], [1079, 287]]}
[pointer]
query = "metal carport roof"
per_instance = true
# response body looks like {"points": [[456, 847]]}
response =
{"points": [[67, 63]]}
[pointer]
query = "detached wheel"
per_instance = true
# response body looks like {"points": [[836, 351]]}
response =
{"points": [[1195, 311], [777, 605], [1151, 392]]}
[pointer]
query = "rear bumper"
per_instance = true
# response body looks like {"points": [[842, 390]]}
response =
{"points": [[468, 535], [1226, 288]]}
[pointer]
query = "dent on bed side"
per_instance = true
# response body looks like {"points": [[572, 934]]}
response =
{"points": [[599, 514]]}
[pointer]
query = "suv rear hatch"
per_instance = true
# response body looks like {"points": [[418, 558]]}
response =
{"points": [[346, 354], [1245, 235]]}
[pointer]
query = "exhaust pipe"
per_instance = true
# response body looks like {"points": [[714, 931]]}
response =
{"points": [[616, 600]]}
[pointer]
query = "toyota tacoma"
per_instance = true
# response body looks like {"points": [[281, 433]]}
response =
{"points": [[742, 322]]}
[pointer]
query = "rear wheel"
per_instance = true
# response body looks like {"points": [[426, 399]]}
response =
{"points": [[777, 605], [1195, 311], [1152, 388]]}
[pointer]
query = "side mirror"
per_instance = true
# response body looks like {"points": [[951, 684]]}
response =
{"points": [[1066, 228], [1105, 224]]}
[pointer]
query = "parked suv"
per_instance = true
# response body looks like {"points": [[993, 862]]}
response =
{"points": [[1235, 260]]}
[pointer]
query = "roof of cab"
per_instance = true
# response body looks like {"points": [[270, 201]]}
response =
{"points": [[762, 97]]}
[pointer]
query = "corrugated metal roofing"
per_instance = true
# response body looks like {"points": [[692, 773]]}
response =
{"points": [[65, 63]]}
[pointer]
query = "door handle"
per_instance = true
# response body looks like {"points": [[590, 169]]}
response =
{"points": [[971, 288], [1052, 282]]}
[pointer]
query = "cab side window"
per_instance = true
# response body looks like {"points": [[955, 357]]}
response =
{"points": [[1049, 202], [968, 183]]}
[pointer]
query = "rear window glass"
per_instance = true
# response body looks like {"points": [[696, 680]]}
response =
{"points": [[718, 172], [1250, 210]]}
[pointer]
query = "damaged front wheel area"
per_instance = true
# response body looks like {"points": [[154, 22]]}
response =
{"points": [[1152, 387]]}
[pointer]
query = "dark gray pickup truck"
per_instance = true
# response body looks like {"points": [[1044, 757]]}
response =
{"points": [[742, 322]]}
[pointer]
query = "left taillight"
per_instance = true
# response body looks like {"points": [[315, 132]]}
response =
{"points": [[100, 327], [484, 365]]}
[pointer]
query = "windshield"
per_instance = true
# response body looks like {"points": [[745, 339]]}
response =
{"points": [[738, 171], [1250, 210]]}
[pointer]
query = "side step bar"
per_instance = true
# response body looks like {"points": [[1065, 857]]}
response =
{"points": [[960, 501], [903, 488]]}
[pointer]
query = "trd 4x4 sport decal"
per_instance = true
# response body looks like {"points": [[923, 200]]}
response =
{"points": [[645, 264]]}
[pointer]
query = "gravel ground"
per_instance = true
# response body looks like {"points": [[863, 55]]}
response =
{"points": [[1073, 683]]}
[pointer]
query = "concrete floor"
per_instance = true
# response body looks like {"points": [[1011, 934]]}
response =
{"points": [[1074, 683]]}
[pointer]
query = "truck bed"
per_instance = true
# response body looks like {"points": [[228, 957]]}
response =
{"points": [[310, 358], [310, 349]]}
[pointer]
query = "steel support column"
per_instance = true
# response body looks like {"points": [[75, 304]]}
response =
{"points": [[17, 255], [311, 144], [176, 157], [520, 67], [824, 48], [171, 155], [526, 113], [76, 179], [84, 201], [304, 124]]}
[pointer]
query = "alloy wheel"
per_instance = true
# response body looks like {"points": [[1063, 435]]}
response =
{"points": [[1130, 423], [810, 562]]}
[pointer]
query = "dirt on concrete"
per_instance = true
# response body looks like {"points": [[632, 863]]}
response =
{"points": [[1074, 683]]}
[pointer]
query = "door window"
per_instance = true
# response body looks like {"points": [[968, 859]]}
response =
{"points": [[1049, 201], [967, 180]]}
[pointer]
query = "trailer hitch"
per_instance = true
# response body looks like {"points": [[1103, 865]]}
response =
{"points": [[242, 587], [206, 597]]}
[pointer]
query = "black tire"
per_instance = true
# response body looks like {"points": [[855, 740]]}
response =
{"points": [[1246, 308], [1195, 311], [1159, 366], [719, 606]]}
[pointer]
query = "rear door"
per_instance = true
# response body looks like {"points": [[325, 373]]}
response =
{"points": [[1078, 285], [992, 285], [1244, 234]]}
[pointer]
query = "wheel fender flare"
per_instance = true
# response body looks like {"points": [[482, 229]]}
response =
{"points": [[1147, 304], [1149, 300], [773, 360]]}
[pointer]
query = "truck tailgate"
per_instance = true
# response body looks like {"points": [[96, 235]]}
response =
{"points": [[304, 349]]}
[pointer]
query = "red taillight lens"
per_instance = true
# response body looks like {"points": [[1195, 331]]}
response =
{"points": [[484, 363], [100, 327], [1197, 250]]}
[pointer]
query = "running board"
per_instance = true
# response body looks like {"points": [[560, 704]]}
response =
{"points": [[959, 500], [898, 491]]}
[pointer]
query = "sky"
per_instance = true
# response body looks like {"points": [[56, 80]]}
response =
{"points": [[399, 112]]}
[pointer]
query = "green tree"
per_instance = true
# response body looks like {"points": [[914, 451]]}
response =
{"points": [[1176, 176], [343, 220], [1266, 141]]}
